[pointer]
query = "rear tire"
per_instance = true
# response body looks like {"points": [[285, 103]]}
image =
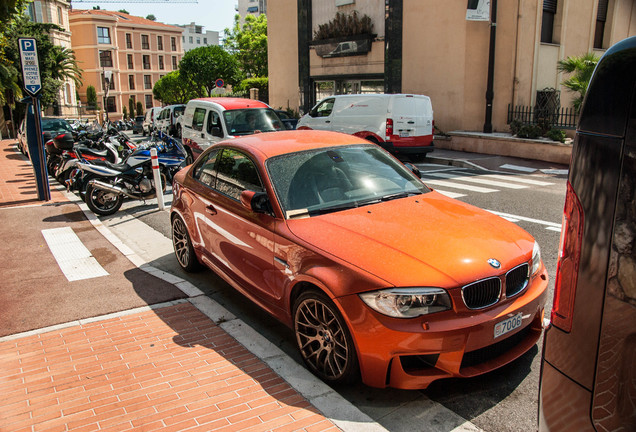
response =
{"points": [[101, 202]]}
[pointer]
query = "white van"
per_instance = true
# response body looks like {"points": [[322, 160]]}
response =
{"points": [[150, 117], [208, 120], [401, 123]]}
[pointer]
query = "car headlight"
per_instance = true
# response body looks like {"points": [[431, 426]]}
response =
{"points": [[407, 302], [536, 258]]}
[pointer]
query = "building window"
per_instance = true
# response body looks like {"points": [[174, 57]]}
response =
{"points": [[174, 62], [145, 42], [105, 59], [148, 101], [110, 104], [190, 39], [198, 41], [147, 82], [161, 62], [173, 43], [547, 22], [134, 99], [160, 43], [183, 39], [131, 82], [128, 41], [60, 18], [131, 65], [146, 62], [205, 41], [601, 18], [103, 35], [111, 85]]}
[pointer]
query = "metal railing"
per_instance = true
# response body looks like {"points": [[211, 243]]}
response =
{"points": [[560, 118]]}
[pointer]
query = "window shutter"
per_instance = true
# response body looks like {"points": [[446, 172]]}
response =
{"points": [[601, 15], [550, 5]]}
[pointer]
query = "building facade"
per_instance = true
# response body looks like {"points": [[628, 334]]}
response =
{"points": [[440, 49], [251, 7], [133, 51], [195, 36], [57, 12]]}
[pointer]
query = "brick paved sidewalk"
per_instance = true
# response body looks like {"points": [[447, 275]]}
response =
{"points": [[170, 369]]}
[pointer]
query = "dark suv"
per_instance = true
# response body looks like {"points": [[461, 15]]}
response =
{"points": [[588, 370]]}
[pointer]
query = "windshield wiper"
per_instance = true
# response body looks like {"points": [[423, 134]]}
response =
{"points": [[399, 195]]}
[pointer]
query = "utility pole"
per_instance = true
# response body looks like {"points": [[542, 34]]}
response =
{"points": [[490, 93]]}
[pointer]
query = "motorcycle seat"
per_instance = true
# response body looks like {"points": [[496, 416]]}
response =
{"points": [[87, 150], [118, 167]]}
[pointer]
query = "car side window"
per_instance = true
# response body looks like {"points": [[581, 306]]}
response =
{"points": [[214, 121], [204, 171], [236, 173], [323, 109], [197, 119]]}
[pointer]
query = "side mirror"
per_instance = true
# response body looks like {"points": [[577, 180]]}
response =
{"points": [[217, 132], [258, 202], [415, 170]]}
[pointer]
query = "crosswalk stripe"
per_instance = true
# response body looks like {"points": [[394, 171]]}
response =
{"points": [[450, 194], [518, 168], [452, 185], [478, 180], [74, 259], [547, 224], [518, 179]]}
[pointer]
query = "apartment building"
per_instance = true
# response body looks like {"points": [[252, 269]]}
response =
{"points": [[131, 51], [440, 49], [251, 7], [195, 36]]}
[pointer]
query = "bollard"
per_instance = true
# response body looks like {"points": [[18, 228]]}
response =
{"points": [[156, 174]]}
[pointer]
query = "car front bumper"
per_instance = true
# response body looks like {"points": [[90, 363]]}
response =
{"points": [[412, 353]]}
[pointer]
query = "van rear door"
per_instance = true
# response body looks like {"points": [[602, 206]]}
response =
{"points": [[412, 116]]}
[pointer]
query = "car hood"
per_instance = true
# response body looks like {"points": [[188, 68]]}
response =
{"points": [[426, 240]]}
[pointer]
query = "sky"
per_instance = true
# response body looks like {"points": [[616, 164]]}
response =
{"points": [[214, 15]]}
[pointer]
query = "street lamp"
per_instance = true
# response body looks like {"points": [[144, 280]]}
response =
{"points": [[108, 75]]}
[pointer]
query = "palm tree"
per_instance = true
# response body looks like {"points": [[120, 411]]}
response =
{"points": [[582, 68], [65, 65], [8, 83]]}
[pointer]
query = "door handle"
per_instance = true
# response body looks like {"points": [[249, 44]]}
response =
{"points": [[411, 122], [202, 135], [327, 121], [210, 210]]}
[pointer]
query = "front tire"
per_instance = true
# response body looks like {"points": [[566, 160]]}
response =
{"points": [[183, 249], [101, 202], [323, 339]]}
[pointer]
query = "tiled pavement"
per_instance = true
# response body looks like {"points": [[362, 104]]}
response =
{"points": [[168, 367]]}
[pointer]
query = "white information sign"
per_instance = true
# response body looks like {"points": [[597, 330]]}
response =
{"points": [[30, 65]]}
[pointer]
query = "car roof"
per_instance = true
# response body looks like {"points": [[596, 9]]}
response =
{"points": [[272, 144], [234, 103]]}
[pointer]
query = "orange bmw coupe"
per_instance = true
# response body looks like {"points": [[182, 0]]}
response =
{"points": [[379, 276]]}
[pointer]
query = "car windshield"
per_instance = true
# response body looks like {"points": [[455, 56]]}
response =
{"points": [[250, 120], [179, 110], [50, 125], [319, 181]]}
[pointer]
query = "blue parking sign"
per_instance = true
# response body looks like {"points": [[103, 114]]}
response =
{"points": [[30, 66]]}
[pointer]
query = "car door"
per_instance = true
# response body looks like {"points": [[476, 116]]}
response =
{"points": [[320, 117], [239, 241]]}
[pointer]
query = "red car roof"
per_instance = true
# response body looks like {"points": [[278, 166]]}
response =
{"points": [[235, 103]]}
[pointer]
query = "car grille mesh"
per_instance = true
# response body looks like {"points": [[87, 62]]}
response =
{"points": [[516, 280], [482, 294]]}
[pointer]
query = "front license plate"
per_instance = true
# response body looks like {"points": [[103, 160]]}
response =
{"points": [[508, 325]]}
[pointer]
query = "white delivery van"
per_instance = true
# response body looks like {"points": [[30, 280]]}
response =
{"points": [[401, 123], [208, 120]]}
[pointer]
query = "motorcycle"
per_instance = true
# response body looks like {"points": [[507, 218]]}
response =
{"points": [[106, 184]]}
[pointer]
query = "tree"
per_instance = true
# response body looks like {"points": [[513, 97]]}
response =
{"points": [[582, 68], [140, 109], [91, 97], [124, 11], [204, 65], [151, 17], [64, 65], [131, 106], [174, 89], [249, 43], [125, 113]]}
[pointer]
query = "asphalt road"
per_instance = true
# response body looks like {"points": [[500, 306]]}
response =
{"points": [[501, 401]]}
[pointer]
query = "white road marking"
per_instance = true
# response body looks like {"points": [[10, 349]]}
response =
{"points": [[548, 225], [477, 179], [518, 168], [518, 179], [450, 194], [555, 171], [74, 259], [444, 183]]}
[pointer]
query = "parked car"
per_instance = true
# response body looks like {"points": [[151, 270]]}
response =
{"points": [[589, 351], [304, 223], [50, 125], [150, 117], [209, 120], [401, 123], [166, 122], [138, 124], [289, 121]]}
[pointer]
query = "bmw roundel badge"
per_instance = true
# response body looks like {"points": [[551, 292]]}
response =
{"points": [[494, 263]]}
